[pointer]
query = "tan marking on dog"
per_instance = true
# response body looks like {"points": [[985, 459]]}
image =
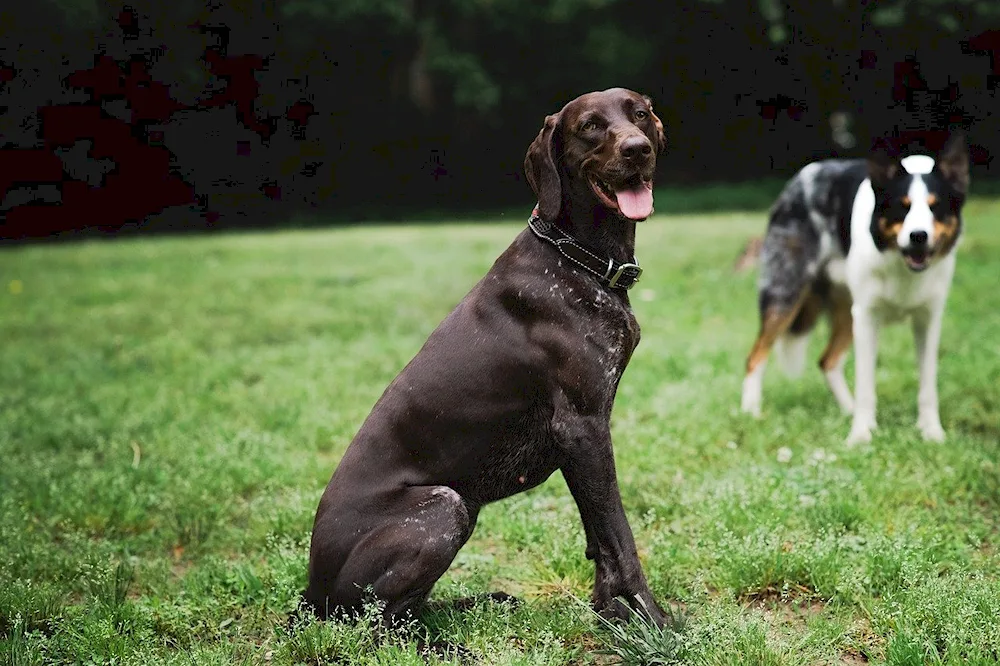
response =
{"points": [[889, 230], [945, 234], [841, 331], [776, 321]]}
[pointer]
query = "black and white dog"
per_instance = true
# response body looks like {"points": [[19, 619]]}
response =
{"points": [[868, 242]]}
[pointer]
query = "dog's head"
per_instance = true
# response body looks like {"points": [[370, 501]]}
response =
{"points": [[600, 149], [918, 201]]}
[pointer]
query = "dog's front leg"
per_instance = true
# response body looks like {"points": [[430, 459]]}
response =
{"points": [[865, 357], [927, 336], [590, 475]]}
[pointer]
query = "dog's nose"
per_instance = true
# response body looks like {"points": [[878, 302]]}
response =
{"points": [[918, 237], [635, 146]]}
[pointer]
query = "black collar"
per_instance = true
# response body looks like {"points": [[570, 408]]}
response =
{"points": [[609, 272]]}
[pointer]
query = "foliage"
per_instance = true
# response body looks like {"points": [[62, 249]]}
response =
{"points": [[639, 642], [430, 104]]}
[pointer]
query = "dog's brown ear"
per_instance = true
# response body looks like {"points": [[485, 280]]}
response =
{"points": [[953, 162], [541, 170], [661, 136], [883, 164]]}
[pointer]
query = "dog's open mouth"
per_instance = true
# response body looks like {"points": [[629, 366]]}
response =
{"points": [[633, 198], [917, 259]]}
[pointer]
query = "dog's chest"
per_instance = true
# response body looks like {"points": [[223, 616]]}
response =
{"points": [[894, 293], [609, 335]]}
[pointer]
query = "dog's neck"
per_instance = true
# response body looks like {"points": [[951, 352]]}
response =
{"points": [[599, 229]]}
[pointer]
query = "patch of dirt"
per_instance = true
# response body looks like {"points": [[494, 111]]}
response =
{"points": [[853, 658], [796, 594], [591, 644], [859, 644], [789, 607]]}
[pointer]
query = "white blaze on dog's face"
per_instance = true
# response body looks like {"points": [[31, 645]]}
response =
{"points": [[918, 222], [918, 203]]}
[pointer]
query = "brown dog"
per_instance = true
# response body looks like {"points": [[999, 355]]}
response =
{"points": [[517, 382]]}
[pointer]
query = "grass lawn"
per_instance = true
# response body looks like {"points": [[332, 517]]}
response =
{"points": [[171, 409]]}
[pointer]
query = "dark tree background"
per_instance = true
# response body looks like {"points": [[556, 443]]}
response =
{"points": [[206, 114]]}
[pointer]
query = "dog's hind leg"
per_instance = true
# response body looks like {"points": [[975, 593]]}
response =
{"points": [[775, 320], [400, 559], [790, 348], [788, 265], [834, 356]]}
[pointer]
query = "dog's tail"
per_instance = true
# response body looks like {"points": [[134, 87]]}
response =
{"points": [[790, 350]]}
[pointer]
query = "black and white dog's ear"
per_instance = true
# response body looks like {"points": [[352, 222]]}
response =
{"points": [[883, 164], [542, 172], [953, 162]]}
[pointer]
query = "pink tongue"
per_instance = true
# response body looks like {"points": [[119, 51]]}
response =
{"points": [[637, 203]]}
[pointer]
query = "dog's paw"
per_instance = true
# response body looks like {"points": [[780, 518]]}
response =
{"points": [[862, 426], [750, 404], [751, 395], [648, 609], [931, 430], [860, 434]]}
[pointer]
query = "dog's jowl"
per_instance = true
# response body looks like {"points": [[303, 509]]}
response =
{"points": [[868, 243], [517, 382]]}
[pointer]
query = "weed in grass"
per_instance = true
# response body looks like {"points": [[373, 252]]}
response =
{"points": [[639, 642], [109, 586], [363, 639], [29, 606], [15, 647], [949, 619], [193, 528], [904, 651], [725, 635]]}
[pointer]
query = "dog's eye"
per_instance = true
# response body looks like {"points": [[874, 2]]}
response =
{"points": [[589, 126], [895, 210], [640, 114]]}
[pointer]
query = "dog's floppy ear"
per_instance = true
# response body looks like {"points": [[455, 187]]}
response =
{"points": [[542, 172], [953, 162], [883, 164], [661, 137]]}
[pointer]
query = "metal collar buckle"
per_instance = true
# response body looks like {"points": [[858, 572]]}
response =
{"points": [[629, 271]]}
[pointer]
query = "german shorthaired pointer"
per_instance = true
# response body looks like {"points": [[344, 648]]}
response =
{"points": [[517, 382]]}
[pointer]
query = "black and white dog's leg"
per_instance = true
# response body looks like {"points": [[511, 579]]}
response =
{"points": [[786, 302], [776, 317], [927, 336], [865, 356], [835, 355]]}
